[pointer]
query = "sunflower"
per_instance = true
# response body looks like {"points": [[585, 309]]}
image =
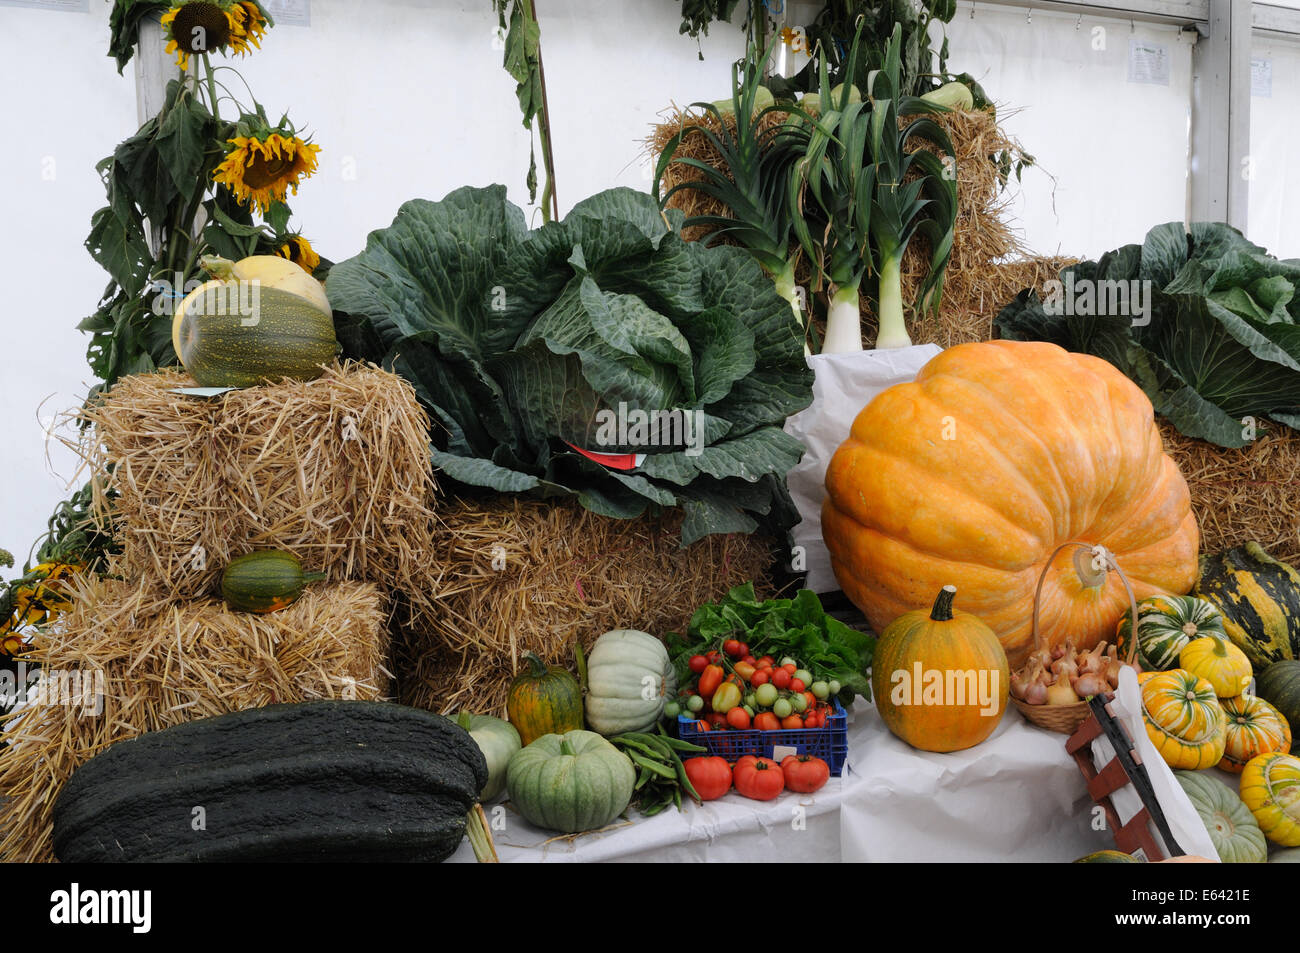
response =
{"points": [[210, 26], [299, 251], [263, 166], [248, 24], [39, 599]]}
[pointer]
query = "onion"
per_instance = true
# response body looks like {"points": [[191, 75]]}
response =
{"points": [[1093, 662], [1060, 692], [1090, 683]]}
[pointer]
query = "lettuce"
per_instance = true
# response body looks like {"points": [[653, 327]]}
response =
{"points": [[525, 344], [1216, 340]]}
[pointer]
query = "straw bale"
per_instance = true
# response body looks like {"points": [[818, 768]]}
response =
{"points": [[336, 470], [165, 663], [1244, 495], [515, 575]]}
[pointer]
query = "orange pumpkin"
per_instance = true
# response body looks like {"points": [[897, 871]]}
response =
{"points": [[940, 678], [979, 469]]}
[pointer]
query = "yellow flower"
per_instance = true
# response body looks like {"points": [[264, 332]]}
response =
{"points": [[211, 26], [299, 251], [247, 26], [263, 170]]}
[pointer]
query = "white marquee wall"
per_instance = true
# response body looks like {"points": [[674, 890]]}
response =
{"points": [[408, 98]]}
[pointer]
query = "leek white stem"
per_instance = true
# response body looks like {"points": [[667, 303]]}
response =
{"points": [[843, 323], [893, 330], [785, 287]]}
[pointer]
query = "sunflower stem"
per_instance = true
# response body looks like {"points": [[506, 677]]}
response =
{"points": [[212, 87]]}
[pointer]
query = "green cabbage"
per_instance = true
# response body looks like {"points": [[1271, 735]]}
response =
{"points": [[523, 344]]}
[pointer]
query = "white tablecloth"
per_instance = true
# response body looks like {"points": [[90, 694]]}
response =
{"points": [[1016, 797]]}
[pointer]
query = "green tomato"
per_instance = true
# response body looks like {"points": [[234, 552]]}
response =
{"points": [[820, 690], [788, 661], [799, 702], [749, 710], [804, 676], [672, 709], [749, 701], [834, 686], [782, 708], [766, 694], [695, 703]]}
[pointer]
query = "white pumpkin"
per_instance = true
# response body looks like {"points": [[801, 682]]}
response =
{"points": [[629, 677]]}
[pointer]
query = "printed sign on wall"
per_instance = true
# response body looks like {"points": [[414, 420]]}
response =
{"points": [[1148, 63], [289, 12], [1261, 78], [65, 6]]}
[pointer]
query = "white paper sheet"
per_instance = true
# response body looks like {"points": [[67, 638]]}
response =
{"points": [[844, 384], [1184, 823]]}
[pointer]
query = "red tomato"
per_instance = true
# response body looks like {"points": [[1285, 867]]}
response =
{"points": [[711, 777], [811, 720], [749, 660], [759, 779], [710, 679], [703, 726], [792, 721], [713, 656], [811, 699], [716, 718], [781, 678], [790, 667], [766, 662], [797, 685], [732, 648], [766, 721], [804, 773], [698, 663], [738, 718], [744, 648], [760, 677]]}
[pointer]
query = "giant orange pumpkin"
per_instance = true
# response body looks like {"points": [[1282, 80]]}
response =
{"points": [[974, 473]]}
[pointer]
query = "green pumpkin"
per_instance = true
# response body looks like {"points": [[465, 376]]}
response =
{"points": [[1108, 857], [573, 782], [1165, 625], [264, 581], [498, 740], [1279, 685], [543, 699], [1233, 829], [629, 677], [1260, 600]]}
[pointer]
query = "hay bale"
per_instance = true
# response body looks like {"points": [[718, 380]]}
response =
{"points": [[1252, 493], [516, 575], [337, 470], [164, 663]]}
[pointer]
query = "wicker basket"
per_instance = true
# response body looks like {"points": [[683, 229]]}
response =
{"points": [[1065, 719]]}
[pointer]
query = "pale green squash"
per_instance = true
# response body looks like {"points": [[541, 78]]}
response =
{"points": [[498, 740], [629, 677], [1233, 829], [573, 782]]}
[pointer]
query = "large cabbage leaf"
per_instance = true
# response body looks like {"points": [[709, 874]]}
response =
{"points": [[517, 340], [1214, 342]]}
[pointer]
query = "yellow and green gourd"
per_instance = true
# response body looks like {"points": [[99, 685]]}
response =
{"points": [[1166, 624], [1259, 597], [1270, 786], [1183, 719], [1254, 727]]}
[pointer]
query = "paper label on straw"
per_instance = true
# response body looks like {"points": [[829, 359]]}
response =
{"points": [[202, 391]]}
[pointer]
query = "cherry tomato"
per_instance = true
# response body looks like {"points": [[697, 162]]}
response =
{"points": [[703, 726], [790, 667], [711, 777], [811, 699], [737, 718], [761, 676], [793, 721], [820, 689], [745, 670], [804, 773], [710, 679], [766, 721], [781, 678], [695, 703], [744, 648], [796, 686], [750, 660], [812, 720], [716, 718], [760, 779], [732, 648], [698, 663], [713, 656], [782, 708], [766, 661]]}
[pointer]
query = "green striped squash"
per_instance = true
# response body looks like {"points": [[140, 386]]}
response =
{"points": [[230, 338], [1108, 857], [1232, 828], [572, 782], [1165, 625], [1184, 719], [1260, 600], [264, 581], [1279, 685]]}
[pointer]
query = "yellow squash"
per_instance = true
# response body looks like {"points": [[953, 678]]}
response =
{"points": [[1183, 718], [1270, 786]]}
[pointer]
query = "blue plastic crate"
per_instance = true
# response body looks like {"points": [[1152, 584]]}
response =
{"points": [[830, 742]]}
